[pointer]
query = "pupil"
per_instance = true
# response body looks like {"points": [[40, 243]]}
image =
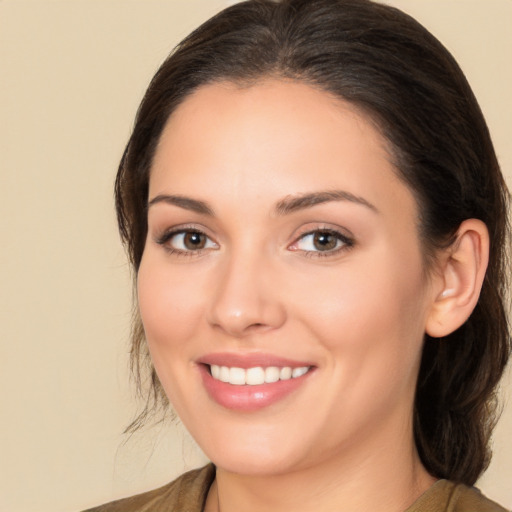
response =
{"points": [[324, 241], [194, 241]]}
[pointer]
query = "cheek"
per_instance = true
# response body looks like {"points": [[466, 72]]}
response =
{"points": [[170, 309], [372, 307], [169, 303], [370, 322]]}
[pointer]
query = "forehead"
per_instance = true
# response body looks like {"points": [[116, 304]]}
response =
{"points": [[272, 139], [269, 111]]}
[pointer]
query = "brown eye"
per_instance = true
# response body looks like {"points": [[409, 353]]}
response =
{"points": [[193, 240], [187, 241], [325, 241]]}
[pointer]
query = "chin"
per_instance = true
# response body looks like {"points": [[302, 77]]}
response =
{"points": [[255, 453], [253, 464]]}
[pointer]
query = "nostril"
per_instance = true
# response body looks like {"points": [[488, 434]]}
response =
{"points": [[256, 326]]}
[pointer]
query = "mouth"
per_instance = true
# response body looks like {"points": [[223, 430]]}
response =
{"points": [[257, 375], [249, 383]]}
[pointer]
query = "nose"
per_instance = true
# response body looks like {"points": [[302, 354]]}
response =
{"points": [[246, 299]]}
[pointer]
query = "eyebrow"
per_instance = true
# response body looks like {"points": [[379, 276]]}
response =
{"points": [[285, 206], [292, 204], [187, 203]]}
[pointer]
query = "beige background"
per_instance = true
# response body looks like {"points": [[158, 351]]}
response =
{"points": [[72, 73]]}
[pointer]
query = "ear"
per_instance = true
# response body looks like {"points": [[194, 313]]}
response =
{"points": [[461, 274]]}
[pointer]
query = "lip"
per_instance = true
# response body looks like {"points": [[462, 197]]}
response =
{"points": [[250, 360], [249, 398]]}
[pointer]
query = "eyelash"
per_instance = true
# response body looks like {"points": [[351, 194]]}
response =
{"points": [[167, 236], [346, 243]]}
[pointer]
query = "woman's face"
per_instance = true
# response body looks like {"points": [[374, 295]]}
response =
{"points": [[283, 257]]}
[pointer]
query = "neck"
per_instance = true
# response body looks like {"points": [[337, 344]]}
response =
{"points": [[386, 477]]}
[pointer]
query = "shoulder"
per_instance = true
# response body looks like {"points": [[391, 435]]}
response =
{"points": [[446, 496], [470, 499], [188, 492]]}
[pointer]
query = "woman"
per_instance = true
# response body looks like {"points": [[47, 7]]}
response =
{"points": [[317, 223]]}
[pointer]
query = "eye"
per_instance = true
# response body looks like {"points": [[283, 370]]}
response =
{"points": [[186, 241], [322, 241]]}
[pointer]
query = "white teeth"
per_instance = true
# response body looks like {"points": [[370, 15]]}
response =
{"points": [[271, 374], [257, 375], [224, 374], [299, 372], [215, 369], [237, 376], [285, 373]]}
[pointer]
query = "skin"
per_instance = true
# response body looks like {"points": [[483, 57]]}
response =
{"points": [[358, 313]]}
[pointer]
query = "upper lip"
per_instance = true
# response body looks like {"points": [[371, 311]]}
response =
{"points": [[237, 360]]}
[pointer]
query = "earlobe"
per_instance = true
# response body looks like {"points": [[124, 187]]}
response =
{"points": [[461, 275]]}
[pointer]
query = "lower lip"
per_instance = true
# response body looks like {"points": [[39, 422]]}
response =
{"points": [[249, 398]]}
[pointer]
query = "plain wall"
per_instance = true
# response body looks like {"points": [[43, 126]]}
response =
{"points": [[72, 75]]}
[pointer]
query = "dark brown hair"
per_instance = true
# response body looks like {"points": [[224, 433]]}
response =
{"points": [[396, 72]]}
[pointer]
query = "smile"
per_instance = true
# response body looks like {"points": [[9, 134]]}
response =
{"points": [[250, 382], [257, 375]]}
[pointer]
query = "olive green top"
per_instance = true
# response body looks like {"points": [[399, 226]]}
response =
{"points": [[188, 494]]}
